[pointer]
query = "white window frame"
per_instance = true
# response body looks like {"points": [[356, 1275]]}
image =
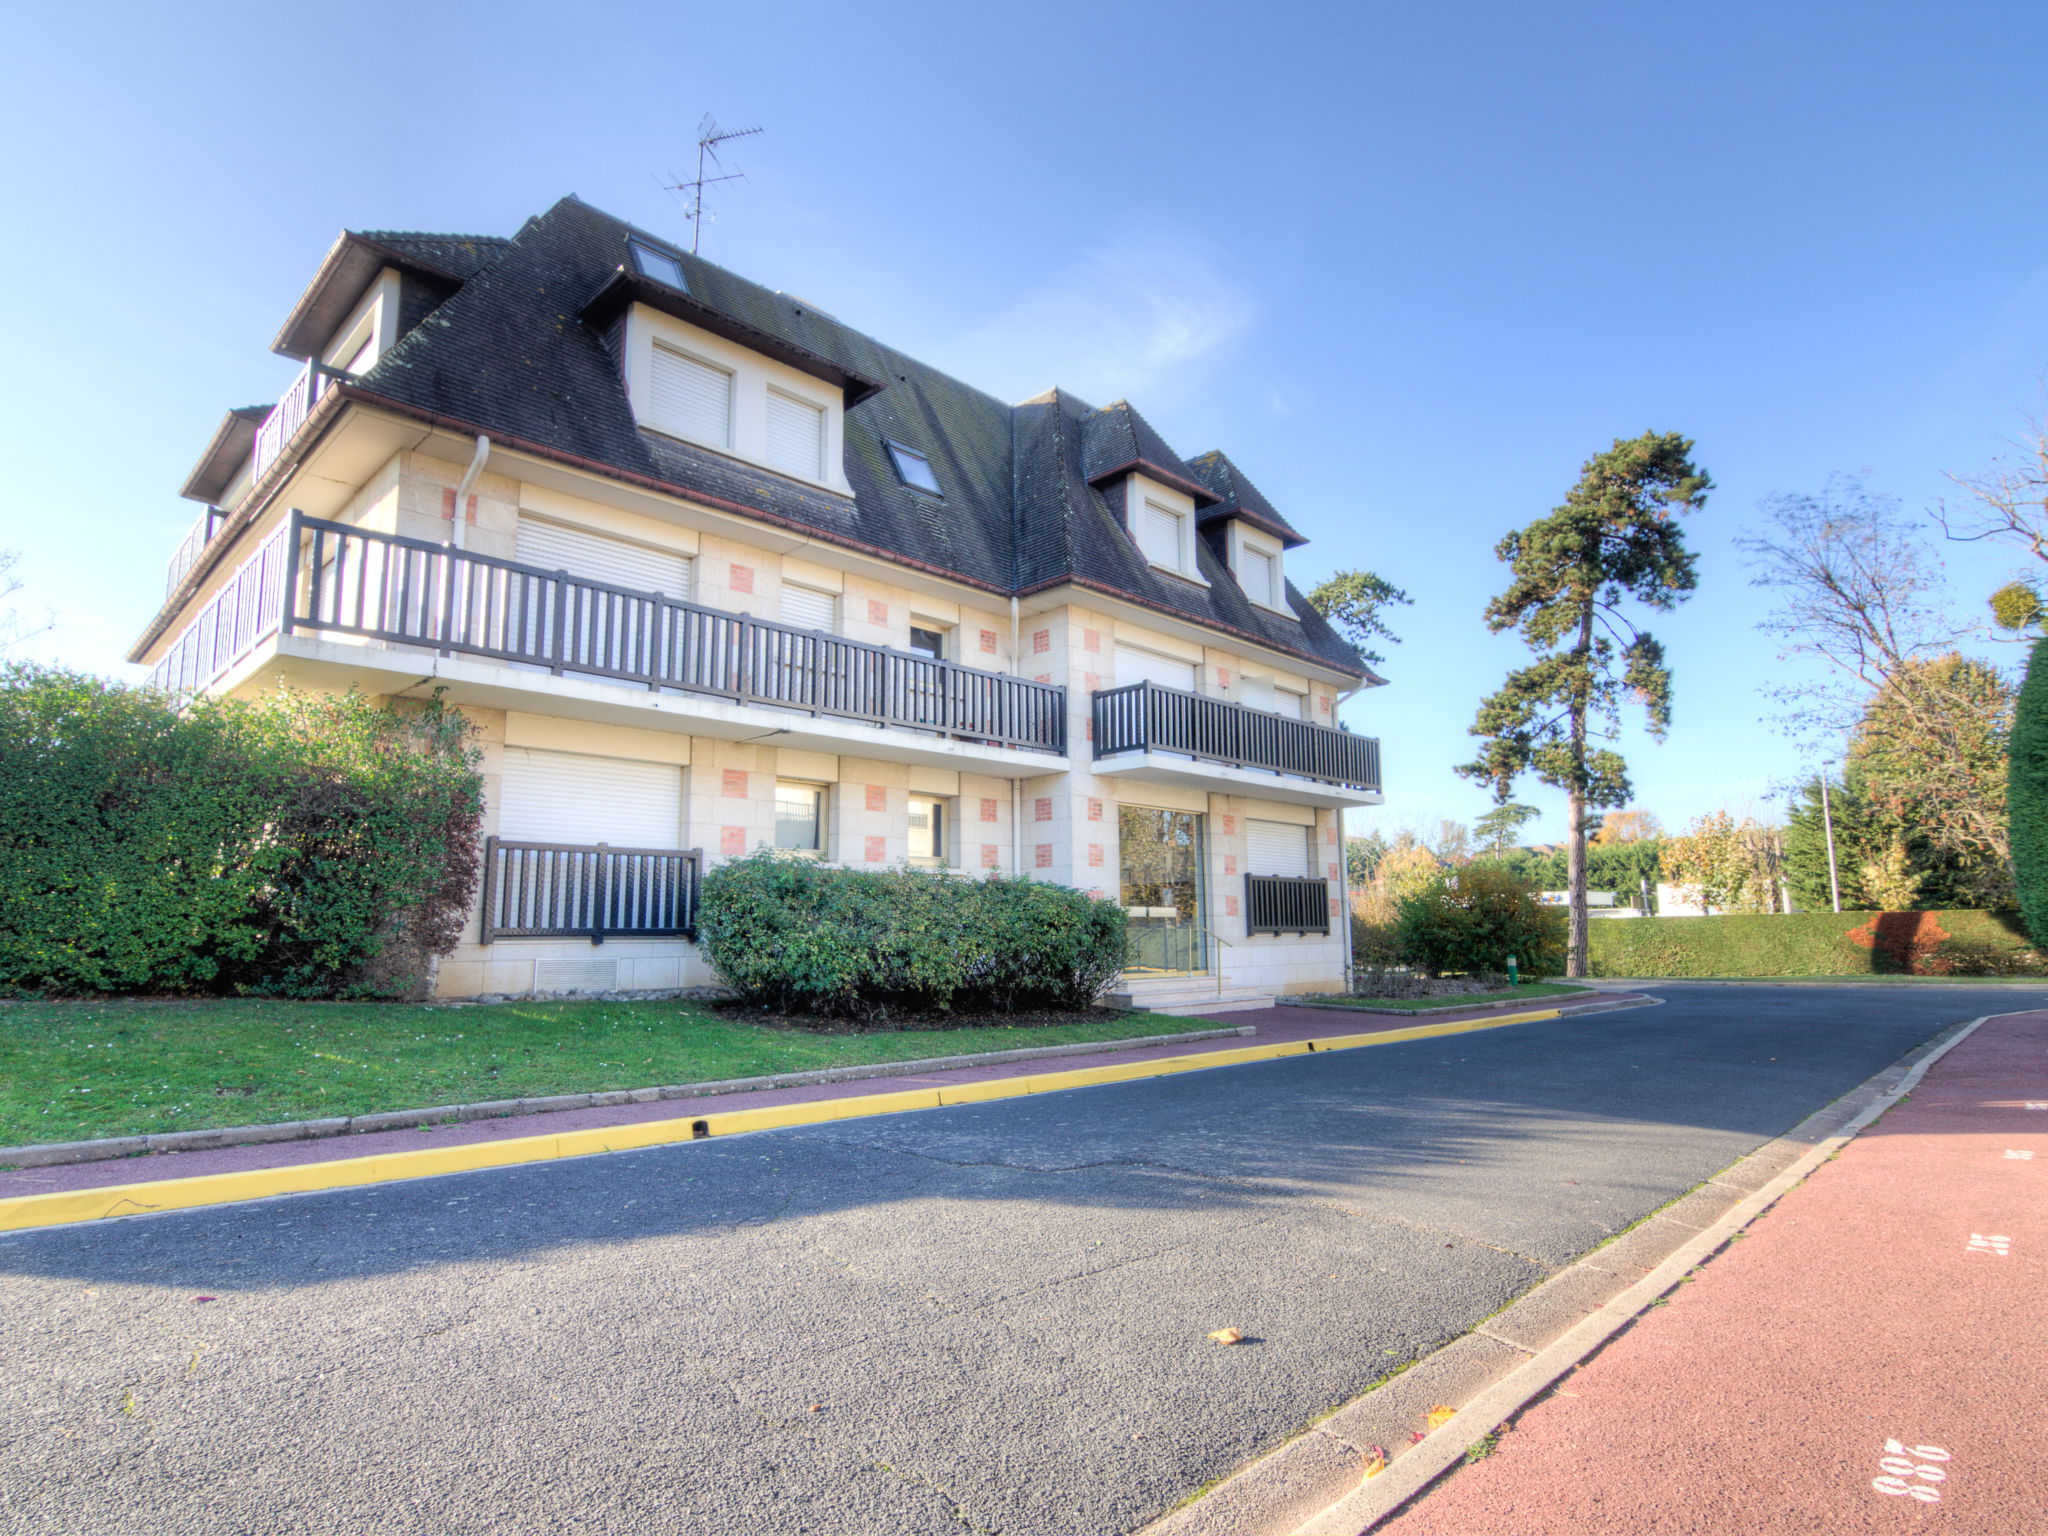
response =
{"points": [[814, 473], [675, 430], [942, 808], [372, 323], [824, 794], [1243, 538], [753, 375], [1138, 491]]}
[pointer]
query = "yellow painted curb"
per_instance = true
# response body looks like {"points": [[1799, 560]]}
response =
{"points": [[23, 1211]]}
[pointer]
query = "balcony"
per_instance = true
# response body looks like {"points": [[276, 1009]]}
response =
{"points": [[197, 537], [318, 578], [1286, 904], [1146, 731], [290, 413], [594, 892]]}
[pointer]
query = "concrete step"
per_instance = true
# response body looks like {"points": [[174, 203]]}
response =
{"points": [[1187, 995]]}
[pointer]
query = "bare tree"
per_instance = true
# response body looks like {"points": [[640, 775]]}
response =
{"points": [[2009, 501], [14, 629]]}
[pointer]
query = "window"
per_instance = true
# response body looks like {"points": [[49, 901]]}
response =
{"points": [[928, 642], [557, 797], [1291, 704], [808, 608], [1256, 573], [690, 398], [597, 558], [1159, 535], [1276, 848], [659, 265], [927, 831], [914, 469], [799, 816], [1135, 666], [796, 435]]}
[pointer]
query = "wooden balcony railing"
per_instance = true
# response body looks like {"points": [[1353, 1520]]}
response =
{"points": [[377, 586], [593, 891], [197, 537], [290, 413], [1146, 717], [1286, 904], [230, 623]]}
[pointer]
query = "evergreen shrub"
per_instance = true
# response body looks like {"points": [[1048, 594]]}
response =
{"points": [[2026, 796], [293, 846], [787, 934], [1468, 921]]}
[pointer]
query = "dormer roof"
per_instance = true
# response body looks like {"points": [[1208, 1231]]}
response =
{"points": [[225, 455], [1234, 495], [1117, 441], [352, 264]]}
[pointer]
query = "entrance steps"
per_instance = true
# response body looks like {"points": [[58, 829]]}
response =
{"points": [[1186, 995]]}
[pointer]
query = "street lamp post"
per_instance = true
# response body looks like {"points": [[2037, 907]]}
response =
{"points": [[1827, 817]]}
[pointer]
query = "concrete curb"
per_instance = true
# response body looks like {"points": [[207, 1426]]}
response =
{"points": [[1569, 1003], [1310, 1486], [147, 1197], [50, 1154], [2015, 982]]}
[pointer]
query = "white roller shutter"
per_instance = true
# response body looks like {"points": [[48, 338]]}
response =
{"points": [[689, 398], [1291, 704], [1255, 570], [558, 797], [1275, 848], [1159, 536], [598, 558], [807, 608], [796, 435], [1135, 666]]}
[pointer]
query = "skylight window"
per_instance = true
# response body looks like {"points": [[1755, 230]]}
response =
{"points": [[914, 469], [659, 265]]}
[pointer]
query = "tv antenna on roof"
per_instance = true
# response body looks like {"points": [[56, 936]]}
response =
{"points": [[709, 137]]}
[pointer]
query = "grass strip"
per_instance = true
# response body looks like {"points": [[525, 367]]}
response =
{"points": [[75, 1071]]}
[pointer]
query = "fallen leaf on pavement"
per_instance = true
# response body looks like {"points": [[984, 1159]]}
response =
{"points": [[1375, 1462], [1440, 1416], [206, 1298], [815, 1408], [1228, 1335]]}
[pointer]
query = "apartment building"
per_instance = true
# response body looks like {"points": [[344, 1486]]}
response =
{"points": [[711, 570]]}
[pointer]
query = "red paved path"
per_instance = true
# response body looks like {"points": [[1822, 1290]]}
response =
{"points": [[1761, 1397], [1273, 1026]]}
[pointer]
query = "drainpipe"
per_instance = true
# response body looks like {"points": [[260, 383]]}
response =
{"points": [[476, 467], [1016, 785], [1344, 863]]}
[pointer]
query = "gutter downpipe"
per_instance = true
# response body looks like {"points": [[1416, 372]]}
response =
{"points": [[476, 467], [1016, 785], [1344, 865]]}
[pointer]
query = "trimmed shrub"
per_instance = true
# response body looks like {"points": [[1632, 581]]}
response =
{"points": [[787, 934], [1470, 919], [297, 846], [2026, 794], [1955, 943]]}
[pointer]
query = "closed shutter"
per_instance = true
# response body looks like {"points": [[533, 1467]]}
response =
{"points": [[597, 558], [1275, 848], [1134, 666], [1159, 536], [690, 399], [1255, 566], [557, 797], [796, 435], [1291, 704], [806, 608]]}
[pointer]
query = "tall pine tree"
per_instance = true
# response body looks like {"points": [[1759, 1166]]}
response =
{"points": [[1615, 537]]}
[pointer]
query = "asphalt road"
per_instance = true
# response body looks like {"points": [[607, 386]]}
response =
{"points": [[988, 1318]]}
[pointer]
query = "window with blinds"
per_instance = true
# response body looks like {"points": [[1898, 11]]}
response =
{"points": [[598, 558], [689, 399], [1275, 848], [796, 435], [1291, 704], [1135, 666], [1159, 535], [807, 608], [1255, 574], [559, 797]]}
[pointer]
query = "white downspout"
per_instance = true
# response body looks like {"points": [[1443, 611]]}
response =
{"points": [[1016, 785], [1344, 862], [476, 467]]}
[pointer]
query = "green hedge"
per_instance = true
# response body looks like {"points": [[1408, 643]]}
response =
{"points": [[299, 846], [1470, 920], [787, 934], [1815, 944], [2026, 793]]}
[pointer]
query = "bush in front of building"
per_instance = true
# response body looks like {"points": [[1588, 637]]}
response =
{"points": [[787, 934], [293, 846], [1468, 920]]}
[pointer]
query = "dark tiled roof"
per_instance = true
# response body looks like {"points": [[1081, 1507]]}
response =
{"points": [[1238, 497], [460, 256], [518, 352]]}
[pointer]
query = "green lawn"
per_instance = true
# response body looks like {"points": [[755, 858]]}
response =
{"points": [[74, 1071], [1528, 991]]}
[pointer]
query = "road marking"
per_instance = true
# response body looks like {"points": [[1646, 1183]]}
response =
{"points": [[2019, 1157], [1908, 1472], [1995, 1242], [2042, 1105]]}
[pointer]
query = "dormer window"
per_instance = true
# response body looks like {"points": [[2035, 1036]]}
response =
{"points": [[1255, 560], [796, 435], [914, 469], [659, 265], [690, 397], [1159, 535]]}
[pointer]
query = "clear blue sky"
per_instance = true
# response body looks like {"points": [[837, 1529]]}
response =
{"points": [[1409, 265]]}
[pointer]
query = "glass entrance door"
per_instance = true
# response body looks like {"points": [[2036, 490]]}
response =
{"points": [[1161, 857]]}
